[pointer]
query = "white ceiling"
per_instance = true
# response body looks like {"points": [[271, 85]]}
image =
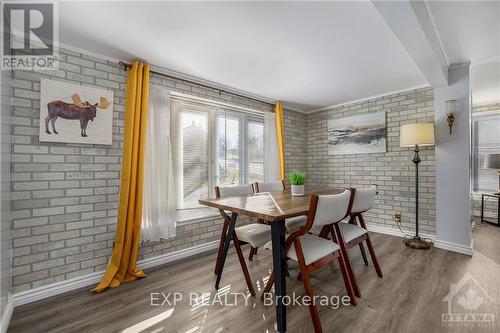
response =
{"points": [[470, 31], [309, 55]]}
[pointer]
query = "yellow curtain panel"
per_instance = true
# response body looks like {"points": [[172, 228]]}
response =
{"points": [[278, 109], [122, 267]]}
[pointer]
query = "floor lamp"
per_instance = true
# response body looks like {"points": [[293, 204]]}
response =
{"points": [[415, 135]]}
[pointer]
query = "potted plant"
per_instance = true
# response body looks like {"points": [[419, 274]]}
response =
{"points": [[297, 179]]}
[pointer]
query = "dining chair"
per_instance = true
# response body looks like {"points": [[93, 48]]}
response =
{"points": [[292, 223], [354, 234], [313, 252], [275, 186], [349, 234], [254, 234]]}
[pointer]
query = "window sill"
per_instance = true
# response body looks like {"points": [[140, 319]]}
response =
{"points": [[187, 216]]}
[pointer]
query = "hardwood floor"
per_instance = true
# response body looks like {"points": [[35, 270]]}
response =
{"points": [[409, 298]]}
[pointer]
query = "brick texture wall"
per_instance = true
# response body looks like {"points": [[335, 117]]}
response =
{"points": [[490, 207], [5, 151], [65, 196], [392, 171], [295, 141]]}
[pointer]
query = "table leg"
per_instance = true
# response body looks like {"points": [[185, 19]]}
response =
{"points": [[227, 242], [279, 262]]}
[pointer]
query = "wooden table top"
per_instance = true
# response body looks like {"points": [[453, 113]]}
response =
{"points": [[269, 206]]}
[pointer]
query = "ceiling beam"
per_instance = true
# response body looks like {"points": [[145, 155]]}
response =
{"points": [[412, 24]]}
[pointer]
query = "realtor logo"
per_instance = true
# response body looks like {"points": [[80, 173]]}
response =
{"points": [[468, 305], [30, 35]]}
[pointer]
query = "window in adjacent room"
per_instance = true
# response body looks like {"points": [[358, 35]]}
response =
{"points": [[486, 140]]}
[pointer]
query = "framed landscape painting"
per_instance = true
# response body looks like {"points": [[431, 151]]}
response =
{"points": [[74, 113], [357, 135]]}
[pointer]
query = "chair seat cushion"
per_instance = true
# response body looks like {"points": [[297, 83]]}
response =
{"points": [[351, 231], [256, 234], [314, 248], [295, 223]]}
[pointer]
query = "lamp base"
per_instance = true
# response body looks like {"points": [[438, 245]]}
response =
{"points": [[417, 242]]}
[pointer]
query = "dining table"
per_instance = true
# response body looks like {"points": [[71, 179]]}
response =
{"points": [[274, 208]]}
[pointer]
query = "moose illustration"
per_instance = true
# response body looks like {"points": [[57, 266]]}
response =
{"points": [[76, 110]]}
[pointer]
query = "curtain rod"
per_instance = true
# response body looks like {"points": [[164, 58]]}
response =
{"points": [[125, 66]]}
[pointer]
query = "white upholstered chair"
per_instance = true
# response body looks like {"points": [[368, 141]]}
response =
{"points": [[350, 234], [354, 234], [276, 186], [291, 224], [312, 252], [254, 234]]}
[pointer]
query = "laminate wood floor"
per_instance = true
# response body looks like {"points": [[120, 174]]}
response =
{"points": [[408, 299]]}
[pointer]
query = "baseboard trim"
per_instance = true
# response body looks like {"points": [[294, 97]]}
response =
{"points": [[467, 250], [394, 232], [177, 255], [7, 314], [437, 243], [57, 288]]}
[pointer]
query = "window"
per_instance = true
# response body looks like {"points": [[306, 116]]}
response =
{"points": [[214, 145], [256, 151], [229, 168], [486, 140]]}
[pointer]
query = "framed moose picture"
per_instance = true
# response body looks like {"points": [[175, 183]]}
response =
{"points": [[75, 114]]}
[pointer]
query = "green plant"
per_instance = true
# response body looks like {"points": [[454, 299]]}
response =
{"points": [[297, 178]]}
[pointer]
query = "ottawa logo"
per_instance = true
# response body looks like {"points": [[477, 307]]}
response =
{"points": [[468, 305]]}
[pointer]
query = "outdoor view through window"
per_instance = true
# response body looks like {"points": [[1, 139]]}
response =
{"points": [[216, 146]]}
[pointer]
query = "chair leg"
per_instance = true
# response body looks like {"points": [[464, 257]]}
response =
{"points": [[325, 231], [363, 253], [227, 242], [337, 237], [347, 280], [374, 258], [243, 264], [221, 247], [308, 288], [370, 249], [253, 251], [268, 286]]}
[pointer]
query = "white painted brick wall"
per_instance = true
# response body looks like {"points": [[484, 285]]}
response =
{"points": [[392, 171], [295, 141], [64, 196]]}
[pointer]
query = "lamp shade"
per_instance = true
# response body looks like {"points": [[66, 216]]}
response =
{"points": [[421, 134], [492, 161]]}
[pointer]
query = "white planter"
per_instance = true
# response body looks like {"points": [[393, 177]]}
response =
{"points": [[297, 190]]}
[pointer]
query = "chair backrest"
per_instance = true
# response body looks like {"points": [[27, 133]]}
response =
{"points": [[276, 186], [331, 208], [229, 191], [363, 199]]}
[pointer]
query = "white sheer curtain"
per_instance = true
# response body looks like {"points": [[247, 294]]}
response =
{"points": [[159, 200], [271, 155]]}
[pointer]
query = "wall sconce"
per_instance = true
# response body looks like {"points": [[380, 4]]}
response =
{"points": [[450, 110]]}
